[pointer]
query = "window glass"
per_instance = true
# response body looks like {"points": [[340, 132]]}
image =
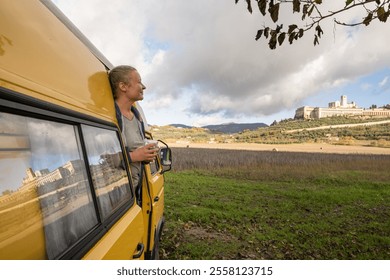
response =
{"points": [[107, 167], [154, 167], [45, 197]]}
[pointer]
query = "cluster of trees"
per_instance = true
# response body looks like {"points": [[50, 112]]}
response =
{"points": [[312, 15], [374, 106]]}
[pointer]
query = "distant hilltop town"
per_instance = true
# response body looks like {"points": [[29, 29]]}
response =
{"points": [[339, 108]]}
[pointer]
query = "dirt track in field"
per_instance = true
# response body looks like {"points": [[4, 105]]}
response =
{"points": [[308, 147]]}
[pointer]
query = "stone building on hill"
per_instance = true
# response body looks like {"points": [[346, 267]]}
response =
{"points": [[338, 108]]}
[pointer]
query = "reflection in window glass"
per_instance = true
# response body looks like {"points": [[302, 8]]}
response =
{"points": [[109, 176], [44, 192], [154, 167]]}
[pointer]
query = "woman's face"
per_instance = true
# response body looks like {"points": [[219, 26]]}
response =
{"points": [[135, 87]]}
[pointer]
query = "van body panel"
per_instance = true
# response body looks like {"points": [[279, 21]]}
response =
{"points": [[41, 58], [120, 242], [24, 229], [153, 211]]}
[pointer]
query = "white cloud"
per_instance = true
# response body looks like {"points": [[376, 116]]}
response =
{"points": [[205, 49], [384, 82]]}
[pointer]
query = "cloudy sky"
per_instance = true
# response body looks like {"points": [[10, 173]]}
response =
{"points": [[201, 64]]}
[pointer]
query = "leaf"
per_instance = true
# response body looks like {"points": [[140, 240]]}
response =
{"points": [[291, 28], [262, 6], [291, 37], [305, 11], [296, 6], [301, 33], [319, 31], [319, 2], [316, 40], [237, 1], [281, 38], [382, 15], [348, 2], [249, 5], [266, 32], [368, 19], [273, 41], [259, 33], [274, 11]]}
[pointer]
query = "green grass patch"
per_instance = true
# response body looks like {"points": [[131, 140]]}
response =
{"points": [[242, 212]]}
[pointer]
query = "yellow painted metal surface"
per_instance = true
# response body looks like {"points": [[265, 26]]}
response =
{"points": [[21, 226], [43, 59], [153, 191], [120, 243]]}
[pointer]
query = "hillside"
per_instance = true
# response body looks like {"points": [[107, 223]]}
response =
{"points": [[227, 127], [234, 127], [368, 131]]}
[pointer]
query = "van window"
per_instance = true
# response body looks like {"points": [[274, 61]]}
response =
{"points": [[107, 167], [154, 167], [43, 187]]}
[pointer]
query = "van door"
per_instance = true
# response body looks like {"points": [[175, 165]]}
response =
{"points": [[153, 194], [124, 239]]}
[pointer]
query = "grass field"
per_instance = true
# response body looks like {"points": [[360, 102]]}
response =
{"points": [[276, 205]]}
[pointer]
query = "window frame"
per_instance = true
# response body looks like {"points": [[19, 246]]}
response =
{"points": [[15, 103], [95, 196]]}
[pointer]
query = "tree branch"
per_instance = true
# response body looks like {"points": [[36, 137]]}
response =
{"points": [[380, 12]]}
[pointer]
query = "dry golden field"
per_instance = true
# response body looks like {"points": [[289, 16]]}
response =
{"points": [[306, 147]]}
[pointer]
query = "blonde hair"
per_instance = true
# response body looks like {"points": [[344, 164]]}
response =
{"points": [[119, 74]]}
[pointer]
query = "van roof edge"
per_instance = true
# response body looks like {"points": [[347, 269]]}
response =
{"points": [[73, 28]]}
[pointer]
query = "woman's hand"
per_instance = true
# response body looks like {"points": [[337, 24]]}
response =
{"points": [[144, 153]]}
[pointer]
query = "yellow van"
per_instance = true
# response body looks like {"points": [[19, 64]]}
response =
{"points": [[65, 182]]}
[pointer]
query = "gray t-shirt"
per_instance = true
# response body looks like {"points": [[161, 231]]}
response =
{"points": [[134, 139]]}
